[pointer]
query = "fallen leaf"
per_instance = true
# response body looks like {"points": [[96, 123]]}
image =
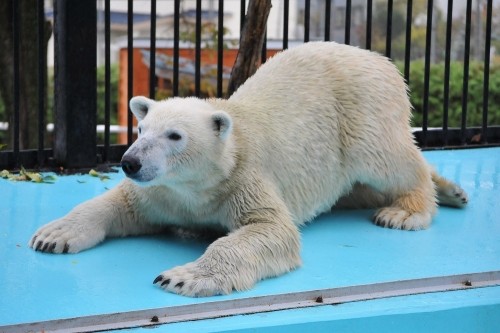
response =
{"points": [[94, 173], [476, 138], [49, 179], [25, 175], [4, 174], [34, 177]]}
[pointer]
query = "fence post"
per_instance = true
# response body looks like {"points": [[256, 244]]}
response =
{"points": [[75, 83]]}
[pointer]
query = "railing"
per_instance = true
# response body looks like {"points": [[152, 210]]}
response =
{"points": [[74, 142]]}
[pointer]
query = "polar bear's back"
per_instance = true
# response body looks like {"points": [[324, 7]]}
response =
{"points": [[320, 85], [315, 115], [318, 69]]}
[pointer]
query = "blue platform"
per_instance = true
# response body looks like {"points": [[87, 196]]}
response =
{"points": [[341, 249]]}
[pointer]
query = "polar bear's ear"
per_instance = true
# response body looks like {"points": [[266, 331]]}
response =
{"points": [[140, 106], [222, 124]]}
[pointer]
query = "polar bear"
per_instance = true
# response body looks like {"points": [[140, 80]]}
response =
{"points": [[317, 125]]}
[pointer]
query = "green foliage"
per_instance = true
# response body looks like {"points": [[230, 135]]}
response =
{"points": [[113, 107], [436, 94], [113, 94]]}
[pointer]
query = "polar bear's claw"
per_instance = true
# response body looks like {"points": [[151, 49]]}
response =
{"points": [[49, 247], [158, 279], [48, 243]]}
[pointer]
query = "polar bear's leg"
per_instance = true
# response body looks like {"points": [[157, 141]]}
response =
{"points": [[268, 246], [364, 196], [412, 195]]}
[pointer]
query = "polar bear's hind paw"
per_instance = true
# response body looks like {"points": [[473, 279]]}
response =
{"points": [[395, 218], [453, 196]]}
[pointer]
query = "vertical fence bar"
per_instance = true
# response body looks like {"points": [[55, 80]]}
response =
{"points": [[177, 14], [152, 52], [16, 44], [328, 12], [369, 19], [130, 67], [347, 36], [107, 78], [197, 57], [409, 10], [465, 86], [75, 29], [42, 84], [286, 6], [486, 77], [427, 69], [307, 20], [220, 48], [447, 56], [388, 41]]}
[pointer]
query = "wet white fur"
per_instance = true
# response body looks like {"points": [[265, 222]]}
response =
{"points": [[317, 125]]}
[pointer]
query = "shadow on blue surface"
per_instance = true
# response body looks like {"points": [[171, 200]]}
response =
{"points": [[339, 249]]}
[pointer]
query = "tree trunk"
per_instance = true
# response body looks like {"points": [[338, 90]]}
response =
{"points": [[251, 41], [28, 69]]}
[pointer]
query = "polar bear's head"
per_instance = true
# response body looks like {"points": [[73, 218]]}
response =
{"points": [[181, 141]]}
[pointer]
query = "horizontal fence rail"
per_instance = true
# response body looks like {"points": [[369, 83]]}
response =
{"points": [[76, 141]]}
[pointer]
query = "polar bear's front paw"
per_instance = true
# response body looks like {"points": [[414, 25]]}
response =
{"points": [[63, 236], [397, 218], [193, 280]]}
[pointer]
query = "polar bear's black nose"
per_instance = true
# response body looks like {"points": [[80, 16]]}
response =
{"points": [[130, 165]]}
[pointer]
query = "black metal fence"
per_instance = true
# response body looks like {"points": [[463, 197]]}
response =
{"points": [[75, 144]]}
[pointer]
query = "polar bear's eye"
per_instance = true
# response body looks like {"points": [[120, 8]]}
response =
{"points": [[139, 129], [174, 136]]}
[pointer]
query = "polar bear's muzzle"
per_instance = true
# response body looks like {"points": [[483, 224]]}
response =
{"points": [[135, 170], [142, 161], [131, 165]]}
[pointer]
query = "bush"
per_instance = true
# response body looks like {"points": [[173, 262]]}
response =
{"points": [[436, 94]]}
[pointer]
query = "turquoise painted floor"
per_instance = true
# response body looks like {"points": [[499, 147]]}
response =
{"points": [[339, 249]]}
